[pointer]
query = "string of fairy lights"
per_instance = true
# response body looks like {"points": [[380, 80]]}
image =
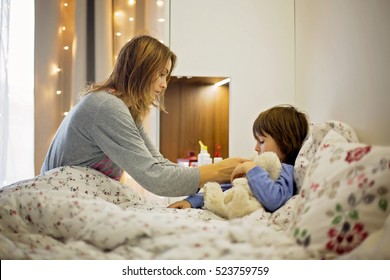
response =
{"points": [[129, 19], [132, 18], [65, 43]]}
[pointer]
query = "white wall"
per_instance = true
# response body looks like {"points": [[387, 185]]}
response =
{"points": [[343, 64], [330, 58], [251, 41]]}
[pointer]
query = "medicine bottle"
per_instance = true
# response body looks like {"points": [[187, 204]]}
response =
{"points": [[202, 154]]}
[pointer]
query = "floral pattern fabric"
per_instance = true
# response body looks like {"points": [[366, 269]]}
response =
{"points": [[312, 142], [79, 213], [346, 192]]}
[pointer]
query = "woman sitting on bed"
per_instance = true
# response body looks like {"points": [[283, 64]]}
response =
{"points": [[281, 129], [104, 130]]}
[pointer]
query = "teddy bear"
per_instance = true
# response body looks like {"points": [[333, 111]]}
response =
{"points": [[239, 200]]}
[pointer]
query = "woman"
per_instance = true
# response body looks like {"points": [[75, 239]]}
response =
{"points": [[104, 130]]}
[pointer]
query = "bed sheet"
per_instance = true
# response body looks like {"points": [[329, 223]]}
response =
{"points": [[79, 213]]}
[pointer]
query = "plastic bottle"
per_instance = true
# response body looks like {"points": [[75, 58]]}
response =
{"points": [[217, 159], [202, 154], [207, 160]]}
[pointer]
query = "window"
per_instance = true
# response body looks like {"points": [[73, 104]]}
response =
{"points": [[17, 111]]}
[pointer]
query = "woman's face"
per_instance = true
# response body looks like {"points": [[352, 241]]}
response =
{"points": [[160, 84], [265, 143]]}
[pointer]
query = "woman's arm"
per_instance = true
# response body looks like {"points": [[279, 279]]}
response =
{"points": [[117, 136], [128, 146], [219, 172]]}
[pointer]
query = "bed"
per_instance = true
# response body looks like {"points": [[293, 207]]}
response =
{"points": [[340, 212]]}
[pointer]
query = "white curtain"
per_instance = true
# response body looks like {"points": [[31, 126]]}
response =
{"points": [[4, 24], [16, 93]]}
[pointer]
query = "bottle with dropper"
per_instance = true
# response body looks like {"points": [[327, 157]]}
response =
{"points": [[203, 156]]}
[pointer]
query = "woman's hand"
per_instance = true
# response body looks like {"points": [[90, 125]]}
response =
{"points": [[242, 169], [227, 166], [219, 172], [182, 204]]}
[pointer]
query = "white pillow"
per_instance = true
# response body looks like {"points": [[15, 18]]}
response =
{"points": [[316, 133], [344, 198]]}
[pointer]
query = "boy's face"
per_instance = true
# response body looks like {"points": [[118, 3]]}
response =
{"points": [[265, 143]]}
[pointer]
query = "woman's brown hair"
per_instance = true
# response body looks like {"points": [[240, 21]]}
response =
{"points": [[136, 68], [287, 126]]}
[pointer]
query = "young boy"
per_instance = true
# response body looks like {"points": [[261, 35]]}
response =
{"points": [[280, 129]]}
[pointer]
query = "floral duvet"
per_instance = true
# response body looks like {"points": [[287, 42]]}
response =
{"points": [[79, 213]]}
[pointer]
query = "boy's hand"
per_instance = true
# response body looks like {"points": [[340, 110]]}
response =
{"points": [[182, 204], [242, 169]]}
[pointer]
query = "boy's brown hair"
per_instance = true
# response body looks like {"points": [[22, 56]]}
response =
{"points": [[287, 126]]}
